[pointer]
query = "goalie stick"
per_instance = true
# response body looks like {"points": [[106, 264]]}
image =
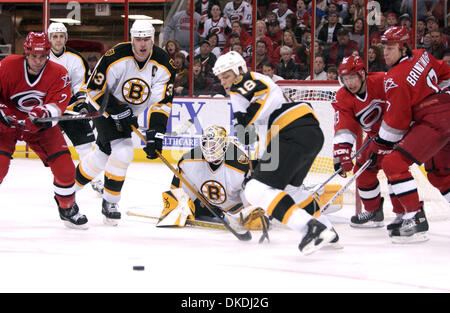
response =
{"points": [[243, 237]]}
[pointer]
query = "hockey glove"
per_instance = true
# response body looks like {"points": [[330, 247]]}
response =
{"points": [[5, 119], [32, 123], [201, 211], [154, 143], [375, 151], [79, 102], [342, 158], [123, 118]]}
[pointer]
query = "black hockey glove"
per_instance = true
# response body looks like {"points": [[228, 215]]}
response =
{"points": [[202, 211], [245, 133], [155, 139], [123, 118], [79, 102]]}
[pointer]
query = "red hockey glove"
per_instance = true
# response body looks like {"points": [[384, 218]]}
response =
{"points": [[8, 121], [342, 158], [376, 152], [32, 124]]}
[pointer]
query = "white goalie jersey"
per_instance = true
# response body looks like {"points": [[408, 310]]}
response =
{"points": [[221, 185]]}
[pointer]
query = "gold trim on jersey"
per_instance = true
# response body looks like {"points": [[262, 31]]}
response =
{"points": [[275, 202], [114, 177], [287, 117]]}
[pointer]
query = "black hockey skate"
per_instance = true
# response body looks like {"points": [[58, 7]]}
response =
{"points": [[412, 229], [316, 237], [72, 218], [111, 214], [369, 219], [398, 221]]}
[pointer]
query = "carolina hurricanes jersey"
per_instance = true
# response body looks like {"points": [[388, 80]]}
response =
{"points": [[406, 85], [222, 187], [51, 88], [243, 13], [217, 27], [353, 112], [150, 85], [76, 65], [265, 105]]}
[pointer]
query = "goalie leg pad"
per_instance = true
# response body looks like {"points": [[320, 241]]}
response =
{"points": [[178, 208]]}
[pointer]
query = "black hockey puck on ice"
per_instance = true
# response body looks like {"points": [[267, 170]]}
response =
{"points": [[138, 268]]}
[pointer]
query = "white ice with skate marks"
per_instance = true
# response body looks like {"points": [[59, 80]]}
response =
{"points": [[39, 254]]}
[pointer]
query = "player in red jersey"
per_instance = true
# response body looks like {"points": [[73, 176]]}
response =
{"points": [[32, 87], [360, 104], [414, 129]]}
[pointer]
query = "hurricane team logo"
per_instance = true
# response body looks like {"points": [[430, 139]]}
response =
{"points": [[25, 101], [135, 91], [214, 192]]}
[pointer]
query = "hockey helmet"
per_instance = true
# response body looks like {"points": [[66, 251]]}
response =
{"points": [[230, 61], [350, 65], [37, 43], [214, 143], [395, 34], [56, 28], [142, 28]]}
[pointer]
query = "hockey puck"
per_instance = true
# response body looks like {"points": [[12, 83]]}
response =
{"points": [[138, 268]]}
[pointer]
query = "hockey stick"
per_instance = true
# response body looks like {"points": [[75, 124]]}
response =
{"points": [[316, 190], [83, 116], [349, 182], [243, 237]]}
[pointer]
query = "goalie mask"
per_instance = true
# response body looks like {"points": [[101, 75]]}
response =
{"points": [[214, 144]]}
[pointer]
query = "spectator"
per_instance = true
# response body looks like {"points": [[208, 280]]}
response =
{"points": [[375, 35], [232, 39], [239, 11], [172, 47], [344, 47], [92, 62], [275, 33], [302, 15], [261, 34], [426, 42], [376, 61], [182, 74], [260, 55], [360, 8], [244, 38], [421, 29], [178, 28], [447, 28], [282, 12], [446, 56], [432, 23], [287, 68], [328, 32], [207, 59], [437, 48], [270, 17], [202, 84], [290, 41], [351, 17], [405, 21], [291, 24], [319, 69], [391, 19], [217, 24], [269, 70], [357, 33], [213, 40], [332, 73], [203, 7]]}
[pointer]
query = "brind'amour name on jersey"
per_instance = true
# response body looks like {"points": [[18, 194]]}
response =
{"points": [[418, 69]]}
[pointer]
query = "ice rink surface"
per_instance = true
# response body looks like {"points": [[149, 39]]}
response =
{"points": [[39, 254]]}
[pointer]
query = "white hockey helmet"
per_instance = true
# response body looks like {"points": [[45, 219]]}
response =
{"points": [[230, 61], [142, 28], [56, 28], [214, 143]]}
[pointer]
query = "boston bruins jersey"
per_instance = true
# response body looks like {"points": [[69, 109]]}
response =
{"points": [[265, 105], [139, 85], [76, 65], [222, 186]]}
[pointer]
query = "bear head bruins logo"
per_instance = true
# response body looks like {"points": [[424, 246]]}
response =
{"points": [[214, 192], [135, 91]]}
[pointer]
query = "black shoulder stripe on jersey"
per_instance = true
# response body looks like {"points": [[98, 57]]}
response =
{"points": [[161, 57], [236, 158], [249, 89], [285, 107]]}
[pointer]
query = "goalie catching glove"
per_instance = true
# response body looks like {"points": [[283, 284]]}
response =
{"points": [[178, 208], [252, 218]]}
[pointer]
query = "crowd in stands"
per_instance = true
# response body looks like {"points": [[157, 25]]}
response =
{"points": [[283, 37]]}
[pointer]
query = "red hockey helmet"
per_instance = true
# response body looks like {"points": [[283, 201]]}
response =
{"points": [[350, 65], [37, 43], [395, 34]]}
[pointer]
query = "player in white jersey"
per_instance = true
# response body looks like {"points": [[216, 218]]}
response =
{"points": [[79, 132], [293, 139], [137, 75]]}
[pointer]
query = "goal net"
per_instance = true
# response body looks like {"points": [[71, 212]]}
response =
{"points": [[320, 94]]}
